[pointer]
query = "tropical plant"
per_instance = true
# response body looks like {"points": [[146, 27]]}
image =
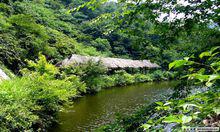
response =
{"points": [[197, 109]]}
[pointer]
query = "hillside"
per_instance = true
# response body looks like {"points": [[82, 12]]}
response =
{"points": [[138, 41], [57, 31], [30, 27]]}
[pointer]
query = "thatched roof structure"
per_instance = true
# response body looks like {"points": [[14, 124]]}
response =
{"points": [[111, 63]]}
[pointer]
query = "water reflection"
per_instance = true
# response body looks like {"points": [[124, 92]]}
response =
{"points": [[94, 110]]}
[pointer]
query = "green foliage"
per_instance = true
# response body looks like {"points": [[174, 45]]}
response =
{"points": [[206, 70], [95, 76], [8, 72], [123, 29], [76, 83], [47, 70], [60, 45], [196, 109], [93, 70], [101, 44], [4, 8], [143, 78], [123, 78], [163, 75], [108, 81], [190, 111], [32, 100], [158, 74], [146, 29], [30, 27], [43, 67], [89, 73]]}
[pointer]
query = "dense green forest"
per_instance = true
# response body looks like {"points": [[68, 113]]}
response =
{"points": [[35, 35]]}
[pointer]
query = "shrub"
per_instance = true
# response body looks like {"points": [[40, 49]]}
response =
{"points": [[158, 75], [109, 81], [91, 73], [101, 44], [170, 75], [94, 75], [42, 67], [31, 100], [123, 78], [76, 83], [95, 84], [143, 78], [104, 81]]}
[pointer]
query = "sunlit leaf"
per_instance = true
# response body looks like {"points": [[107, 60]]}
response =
{"points": [[215, 48], [201, 71], [167, 103], [208, 84], [186, 58], [187, 105], [200, 77], [146, 126], [203, 54], [214, 77], [159, 103], [178, 63], [216, 110], [215, 63], [191, 69], [186, 119], [172, 119]]}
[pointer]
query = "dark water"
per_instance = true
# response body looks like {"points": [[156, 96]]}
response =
{"points": [[92, 111]]}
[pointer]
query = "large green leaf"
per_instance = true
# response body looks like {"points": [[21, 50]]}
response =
{"points": [[186, 119], [177, 63], [172, 119], [200, 77]]}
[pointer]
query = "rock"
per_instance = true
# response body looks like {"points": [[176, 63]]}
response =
{"points": [[3, 75]]}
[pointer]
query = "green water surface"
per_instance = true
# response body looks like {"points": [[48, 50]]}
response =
{"points": [[91, 111]]}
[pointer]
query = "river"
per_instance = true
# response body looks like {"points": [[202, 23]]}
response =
{"points": [[89, 112]]}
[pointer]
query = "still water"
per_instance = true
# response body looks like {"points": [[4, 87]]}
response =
{"points": [[89, 112]]}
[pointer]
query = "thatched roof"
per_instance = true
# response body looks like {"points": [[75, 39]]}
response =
{"points": [[108, 62]]}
